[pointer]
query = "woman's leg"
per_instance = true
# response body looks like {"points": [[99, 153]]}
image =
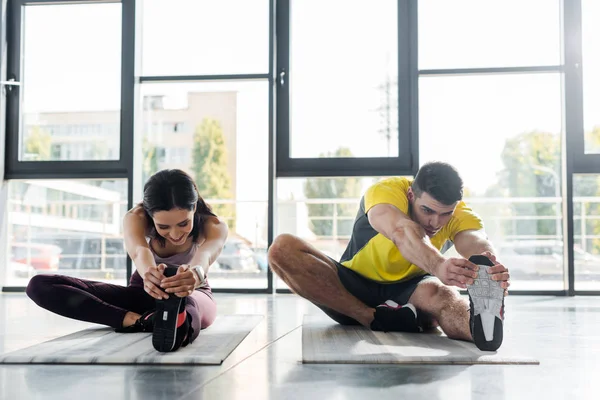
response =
{"points": [[202, 310], [89, 301]]}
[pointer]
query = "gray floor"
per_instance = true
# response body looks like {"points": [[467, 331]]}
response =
{"points": [[561, 332]]}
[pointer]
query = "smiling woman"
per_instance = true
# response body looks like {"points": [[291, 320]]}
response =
{"points": [[172, 237]]}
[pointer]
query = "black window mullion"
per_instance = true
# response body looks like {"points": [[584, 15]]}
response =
{"points": [[282, 79]]}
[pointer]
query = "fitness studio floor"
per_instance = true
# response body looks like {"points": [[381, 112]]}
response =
{"points": [[561, 332]]}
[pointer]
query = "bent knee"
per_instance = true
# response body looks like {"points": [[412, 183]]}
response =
{"points": [[282, 245], [432, 295], [445, 294], [37, 287]]}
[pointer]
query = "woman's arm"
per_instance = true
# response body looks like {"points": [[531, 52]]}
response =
{"points": [[134, 227], [215, 235]]}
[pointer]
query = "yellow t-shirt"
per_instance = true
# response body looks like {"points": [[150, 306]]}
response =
{"points": [[374, 256]]}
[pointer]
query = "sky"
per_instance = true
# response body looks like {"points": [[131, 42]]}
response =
{"points": [[337, 63]]}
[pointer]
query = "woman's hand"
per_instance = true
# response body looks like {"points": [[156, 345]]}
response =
{"points": [[152, 278], [182, 284]]}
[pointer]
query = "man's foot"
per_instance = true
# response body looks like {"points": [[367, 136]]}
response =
{"points": [[392, 317], [486, 300], [145, 323]]}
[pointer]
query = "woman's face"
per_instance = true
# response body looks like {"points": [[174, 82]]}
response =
{"points": [[174, 225]]}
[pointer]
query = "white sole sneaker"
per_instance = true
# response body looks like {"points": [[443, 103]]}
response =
{"points": [[487, 307]]}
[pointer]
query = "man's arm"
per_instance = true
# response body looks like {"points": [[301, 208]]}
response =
{"points": [[471, 242], [407, 235], [415, 246]]}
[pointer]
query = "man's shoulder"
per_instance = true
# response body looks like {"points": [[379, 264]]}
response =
{"points": [[465, 217], [463, 208], [395, 182]]}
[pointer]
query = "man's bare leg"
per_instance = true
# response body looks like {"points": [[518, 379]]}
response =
{"points": [[312, 275], [446, 306]]}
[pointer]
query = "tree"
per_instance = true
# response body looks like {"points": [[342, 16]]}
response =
{"points": [[532, 168], [37, 145], [209, 167], [531, 165], [332, 188], [592, 140], [150, 159]]}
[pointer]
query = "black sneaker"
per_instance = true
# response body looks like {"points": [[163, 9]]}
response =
{"points": [[171, 322], [145, 323], [486, 298], [392, 317]]}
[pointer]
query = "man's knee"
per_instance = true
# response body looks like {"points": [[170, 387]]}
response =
{"points": [[433, 296], [281, 247]]}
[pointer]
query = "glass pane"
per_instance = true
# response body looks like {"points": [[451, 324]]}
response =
{"points": [[502, 133], [218, 132], [203, 37], [591, 74], [69, 227], [586, 216], [344, 81], [320, 211], [498, 33], [72, 83]]}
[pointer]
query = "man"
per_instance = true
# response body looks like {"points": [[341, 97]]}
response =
{"points": [[392, 276]]}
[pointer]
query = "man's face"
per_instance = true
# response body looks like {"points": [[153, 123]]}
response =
{"points": [[429, 213]]}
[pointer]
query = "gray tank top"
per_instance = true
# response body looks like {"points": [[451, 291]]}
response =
{"points": [[172, 261], [176, 259]]}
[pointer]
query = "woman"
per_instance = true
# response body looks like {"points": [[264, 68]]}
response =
{"points": [[172, 237]]}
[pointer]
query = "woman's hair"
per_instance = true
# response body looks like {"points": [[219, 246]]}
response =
{"points": [[173, 189]]}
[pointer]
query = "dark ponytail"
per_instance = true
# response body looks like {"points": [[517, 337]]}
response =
{"points": [[174, 189]]}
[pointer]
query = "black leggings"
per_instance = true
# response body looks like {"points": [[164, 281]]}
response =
{"points": [[107, 304]]}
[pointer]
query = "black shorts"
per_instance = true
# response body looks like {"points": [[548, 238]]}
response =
{"points": [[370, 292]]}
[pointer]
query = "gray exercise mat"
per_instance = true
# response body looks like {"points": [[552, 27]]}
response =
{"points": [[104, 346], [326, 342]]}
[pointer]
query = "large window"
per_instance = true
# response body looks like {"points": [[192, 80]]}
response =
{"points": [[71, 227], [294, 105], [348, 95], [344, 77], [71, 83]]}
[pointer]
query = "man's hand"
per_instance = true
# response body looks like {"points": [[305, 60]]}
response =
{"points": [[499, 272], [456, 272], [182, 284], [152, 279]]}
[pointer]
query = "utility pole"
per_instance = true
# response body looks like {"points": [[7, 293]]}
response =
{"points": [[387, 109]]}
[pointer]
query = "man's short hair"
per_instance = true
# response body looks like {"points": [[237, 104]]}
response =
{"points": [[441, 181]]}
